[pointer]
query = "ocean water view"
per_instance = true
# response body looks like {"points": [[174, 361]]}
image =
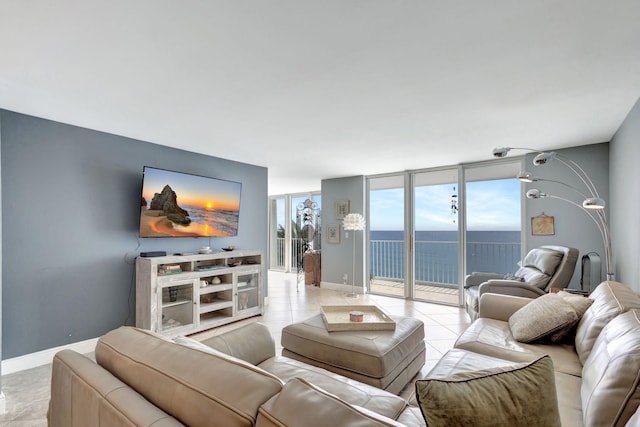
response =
{"points": [[218, 222], [436, 254]]}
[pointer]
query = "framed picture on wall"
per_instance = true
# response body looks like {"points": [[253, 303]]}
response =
{"points": [[341, 208], [542, 225], [333, 233]]}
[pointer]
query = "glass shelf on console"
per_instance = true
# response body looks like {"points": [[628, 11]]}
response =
{"points": [[247, 289], [177, 307]]}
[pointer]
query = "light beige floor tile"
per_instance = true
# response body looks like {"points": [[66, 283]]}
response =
{"points": [[27, 392]]}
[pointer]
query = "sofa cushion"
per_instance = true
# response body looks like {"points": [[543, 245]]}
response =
{"points": [[252, 342], [493, 338], [610, 393], [542, 317], [609, 300], [456, 361], [353, 392], [188, 384], [509, 396], [303, 404]]}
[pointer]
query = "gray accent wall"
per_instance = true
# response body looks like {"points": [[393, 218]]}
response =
{"points": [[337, 258], [70, 212], [624, 170]]}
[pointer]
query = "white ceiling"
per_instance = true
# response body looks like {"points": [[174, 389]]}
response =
{"points": [[319, 89]]}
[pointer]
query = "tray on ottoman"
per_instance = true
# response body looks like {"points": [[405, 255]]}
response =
{"points": [[337, 318]]}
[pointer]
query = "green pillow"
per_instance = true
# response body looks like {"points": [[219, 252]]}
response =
{"points": [[518, 395]]}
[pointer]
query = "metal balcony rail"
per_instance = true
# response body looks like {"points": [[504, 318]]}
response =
{"points": [[436, 261]]}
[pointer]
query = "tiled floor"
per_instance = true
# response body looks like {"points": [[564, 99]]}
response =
{"points": [[27, 392]]}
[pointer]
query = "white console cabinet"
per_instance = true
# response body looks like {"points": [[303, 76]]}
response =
{"points": [[178, 295]]}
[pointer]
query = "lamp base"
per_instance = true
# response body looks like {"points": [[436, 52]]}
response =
{"points": [[351, 295]]}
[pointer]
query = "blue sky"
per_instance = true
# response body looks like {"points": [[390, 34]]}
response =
{"points": [[491, 205]]}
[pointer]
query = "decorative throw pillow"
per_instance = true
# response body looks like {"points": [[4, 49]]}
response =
{"points": [[542, 317], [580, 304], [518, 395]]}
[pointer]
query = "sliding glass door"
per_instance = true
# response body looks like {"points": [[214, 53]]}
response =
{"points": [[387, 245], [493, 218], [428, 229], [435, 236]]}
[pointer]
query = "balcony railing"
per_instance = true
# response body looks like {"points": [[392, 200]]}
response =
{"points": [[436, 262], [297, 251]]}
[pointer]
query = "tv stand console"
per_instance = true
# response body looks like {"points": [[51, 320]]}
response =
{"points": [[179, 295]]}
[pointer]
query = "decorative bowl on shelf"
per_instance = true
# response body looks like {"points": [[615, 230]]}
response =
{"points": [[229, 248]]}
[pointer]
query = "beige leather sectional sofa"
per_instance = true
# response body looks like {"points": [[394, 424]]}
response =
{"points": [[597, 368], [143, 379], [235, 379]]}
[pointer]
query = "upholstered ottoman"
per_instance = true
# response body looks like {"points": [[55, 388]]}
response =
{"points": [[383, 359]]}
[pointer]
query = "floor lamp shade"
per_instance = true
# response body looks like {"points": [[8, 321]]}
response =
{"points": [[353, 222]]}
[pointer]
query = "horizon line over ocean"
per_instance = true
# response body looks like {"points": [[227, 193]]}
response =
{"points": [[482, 236]]}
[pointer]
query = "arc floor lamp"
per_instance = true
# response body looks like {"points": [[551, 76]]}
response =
{"points": [[592, 204]]}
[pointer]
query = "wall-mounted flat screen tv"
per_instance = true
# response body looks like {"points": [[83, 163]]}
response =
{"points": [[176, 204]]}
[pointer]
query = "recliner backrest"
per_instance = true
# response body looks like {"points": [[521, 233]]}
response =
{"points": [[548, 267]]}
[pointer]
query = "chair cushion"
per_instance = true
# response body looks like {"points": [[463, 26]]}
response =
{"points": [[539, 265], [609, 300], [610, 393], [284, 409], [520, 395], [542, 317]]}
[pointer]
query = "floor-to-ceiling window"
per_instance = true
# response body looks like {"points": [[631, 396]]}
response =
{"points": [[387, 247], [436, 236], [292, 232], [493, 218], [428, 229]]}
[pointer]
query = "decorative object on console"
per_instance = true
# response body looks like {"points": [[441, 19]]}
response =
{"points": [[592, 204], [353, 222]]}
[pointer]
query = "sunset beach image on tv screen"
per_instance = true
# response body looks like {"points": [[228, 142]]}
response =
{"points": [[177, 204]]}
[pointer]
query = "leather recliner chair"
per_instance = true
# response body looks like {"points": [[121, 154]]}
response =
{"points": [[541, 269]]}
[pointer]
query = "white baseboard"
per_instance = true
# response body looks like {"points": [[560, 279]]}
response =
{"points": [[341, 287], [39, 358]]}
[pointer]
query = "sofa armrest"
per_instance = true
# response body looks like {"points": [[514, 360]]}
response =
{"points": [[500, 307], [510, 287], [84, 393], [476, 278], [252, 343]]}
